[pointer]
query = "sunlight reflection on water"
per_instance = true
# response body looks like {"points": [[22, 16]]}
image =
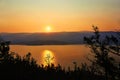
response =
{"points": [[64, 55], [48, 58]]}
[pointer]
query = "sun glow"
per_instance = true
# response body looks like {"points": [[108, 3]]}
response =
{"points": [[48, 29]]}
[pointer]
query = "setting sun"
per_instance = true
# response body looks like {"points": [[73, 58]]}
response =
{"points": [[48, 29]]}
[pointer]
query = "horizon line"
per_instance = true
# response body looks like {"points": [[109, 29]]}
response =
{"points": [[54, 32]]}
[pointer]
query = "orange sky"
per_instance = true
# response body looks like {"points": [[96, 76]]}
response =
{"points": [[61, 15]]}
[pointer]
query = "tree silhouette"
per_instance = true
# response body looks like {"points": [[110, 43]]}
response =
{"points": [[49, 59], [102, 50]]}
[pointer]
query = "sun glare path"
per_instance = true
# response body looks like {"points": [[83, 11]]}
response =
{"points": [[48, 58]]}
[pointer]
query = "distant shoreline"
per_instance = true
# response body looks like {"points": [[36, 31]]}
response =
{"points": [[62, 38], [44, 44]]}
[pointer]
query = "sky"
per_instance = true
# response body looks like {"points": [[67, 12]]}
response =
{"points": [[61, 15]]}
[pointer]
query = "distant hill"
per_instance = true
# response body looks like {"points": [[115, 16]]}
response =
{"points": [[60, 38]]}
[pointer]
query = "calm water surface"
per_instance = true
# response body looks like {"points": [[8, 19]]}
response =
{"points": [[62, 54]]}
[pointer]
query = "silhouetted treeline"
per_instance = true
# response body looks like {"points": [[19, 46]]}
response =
{"points": [[104, 63], [104, 66]]}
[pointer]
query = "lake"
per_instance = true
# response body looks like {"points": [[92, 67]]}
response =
{"points": [[60, 54]]}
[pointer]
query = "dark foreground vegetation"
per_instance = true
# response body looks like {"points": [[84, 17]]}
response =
{"points": [[103, 66]]}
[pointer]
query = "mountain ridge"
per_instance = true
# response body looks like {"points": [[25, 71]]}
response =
{"points": [[59, 38]]}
